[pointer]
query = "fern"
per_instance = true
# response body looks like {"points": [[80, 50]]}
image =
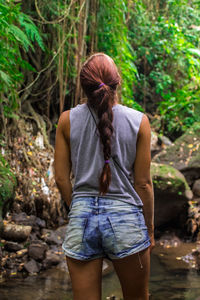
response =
{"points": [[194, 51], [17, 32], [3, 9], [31, 29], [20, 36], [5, 78], [5, 168]]}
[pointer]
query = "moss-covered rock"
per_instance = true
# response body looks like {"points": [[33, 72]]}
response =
{"points": [[167, 178], [184, 154], [171, 194]]}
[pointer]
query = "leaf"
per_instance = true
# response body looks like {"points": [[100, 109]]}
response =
{"points": [[190, 145], [31, 30], [6, 78], [194, 51], [20, 36]]}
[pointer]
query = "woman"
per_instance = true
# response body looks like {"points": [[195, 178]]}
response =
{"points": [[107, 146]]}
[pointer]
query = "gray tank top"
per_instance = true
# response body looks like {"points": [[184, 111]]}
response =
{"points": [[87, 153]]}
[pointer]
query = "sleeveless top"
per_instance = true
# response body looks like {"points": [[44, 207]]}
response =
{"points": [[87, 153]]}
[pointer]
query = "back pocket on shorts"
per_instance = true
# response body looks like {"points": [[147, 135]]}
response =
{"points": [[74, 234], [126, 230]]}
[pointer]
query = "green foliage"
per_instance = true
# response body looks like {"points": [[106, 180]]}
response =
{"points": [[31, 30], [113, 40], [17, 33], [165, 38], [7, 181], [155, 44], [178, 110]]}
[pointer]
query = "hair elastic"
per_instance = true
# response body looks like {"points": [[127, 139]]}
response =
{"points": [[107, 161], [101, 84]]}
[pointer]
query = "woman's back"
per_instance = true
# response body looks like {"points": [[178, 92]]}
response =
{"points": [[87, 154], [103, 143]]}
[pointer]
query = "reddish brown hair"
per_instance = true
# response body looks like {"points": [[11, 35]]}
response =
{"points": [[98, 69]]}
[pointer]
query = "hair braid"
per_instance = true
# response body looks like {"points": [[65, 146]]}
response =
{"points": [[98, 69], [105, 128]]}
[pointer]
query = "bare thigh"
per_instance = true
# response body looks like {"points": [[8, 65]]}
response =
{"points": [[86, 278], [133, 272]]}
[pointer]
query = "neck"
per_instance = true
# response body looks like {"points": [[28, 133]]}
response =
{"points": [[116, 100]]}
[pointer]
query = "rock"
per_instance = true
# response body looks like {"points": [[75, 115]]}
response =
{"points": [[54, 248], [165, 141], [61, 232], [34, 236], [61, 221], [192, 170], [41, 223], [168, 240], [184, 154], [167, 178], [32, 266], [14, 232], [51, 237], [192, 227], [171, 194], [197, 200], [23, 219], [39, 140], [113, 297], [20, 267], [37, 249], [196, 255], [52, 259], [193, 221], [196, 188], [21, 253], [155, 146], [12, 246], [9, 264], [198, 236]]}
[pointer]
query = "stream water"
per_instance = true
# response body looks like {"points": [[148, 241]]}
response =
{"points": [[171, 278]]}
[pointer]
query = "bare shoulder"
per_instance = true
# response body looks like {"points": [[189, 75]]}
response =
{"points": [[64, 123], [144, 126], [64, 119]]}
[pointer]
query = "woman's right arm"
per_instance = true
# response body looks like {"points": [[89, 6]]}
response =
{"points": [[142, 178]]}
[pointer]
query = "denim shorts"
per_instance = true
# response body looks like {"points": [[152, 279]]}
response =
{"points": [[102, 227]]}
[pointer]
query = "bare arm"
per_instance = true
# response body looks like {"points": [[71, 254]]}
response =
{"points": [[142, 178], [62, 161]]}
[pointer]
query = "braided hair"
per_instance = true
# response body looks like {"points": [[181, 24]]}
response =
{"points": [[99, 79]]}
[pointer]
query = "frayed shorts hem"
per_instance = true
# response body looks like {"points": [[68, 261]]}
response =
{"points": [[130, 252], [110, 256], [80, 257]]}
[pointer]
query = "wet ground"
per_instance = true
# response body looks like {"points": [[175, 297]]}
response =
{"points": [[173, 276]]}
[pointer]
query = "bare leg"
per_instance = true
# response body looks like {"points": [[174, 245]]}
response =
{"points": [[133, 272], [86, 278]]}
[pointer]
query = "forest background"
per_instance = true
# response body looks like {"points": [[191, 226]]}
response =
{"points": [[155, 44]]}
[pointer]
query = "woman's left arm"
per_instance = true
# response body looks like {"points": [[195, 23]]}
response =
{"points": [[62, 158]]}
